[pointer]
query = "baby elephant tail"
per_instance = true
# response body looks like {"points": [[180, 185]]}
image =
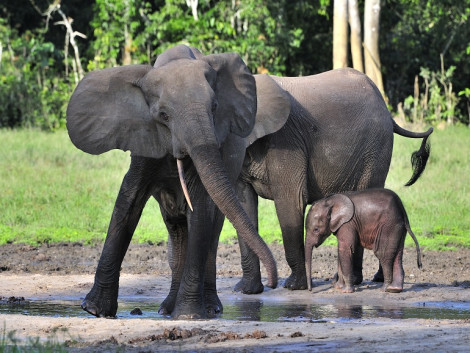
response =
{"points": [[418, 251]]}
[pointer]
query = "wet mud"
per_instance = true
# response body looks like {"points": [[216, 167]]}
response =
{"points": [[41, 289]]}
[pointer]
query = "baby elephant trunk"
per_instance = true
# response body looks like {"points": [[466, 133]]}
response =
{"points": [[308, 260]]}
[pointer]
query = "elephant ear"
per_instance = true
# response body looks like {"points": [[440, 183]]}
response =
{"points": [[108, 111], [235, 89], [273, 108], [180, 51], [341, 210]]}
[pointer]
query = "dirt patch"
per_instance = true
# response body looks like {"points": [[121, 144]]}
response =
{"points": [[66, 271]]}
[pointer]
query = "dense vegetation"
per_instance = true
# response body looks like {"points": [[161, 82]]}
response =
{"points": [[45, 48], [58, 193]]}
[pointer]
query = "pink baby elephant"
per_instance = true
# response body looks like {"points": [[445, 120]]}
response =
{"points": [[374, 219]]}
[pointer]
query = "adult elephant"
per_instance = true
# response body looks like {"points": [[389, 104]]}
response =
{"points": [[188, 112], [338, 137]]}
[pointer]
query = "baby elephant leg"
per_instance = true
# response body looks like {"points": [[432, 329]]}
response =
{"points": [[398, 274], [338, 280], [345, 269]]}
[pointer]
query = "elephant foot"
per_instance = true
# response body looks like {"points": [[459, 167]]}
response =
{"points": [[249, 286], [393, 288], [190, 311], [338, 285], [101, 302], [296, 281], [167, 306], [214, 306], [347, 290], [357, 279]]}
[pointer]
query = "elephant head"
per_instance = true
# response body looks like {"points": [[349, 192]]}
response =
{"points": [[184, 106], [325, 216]]}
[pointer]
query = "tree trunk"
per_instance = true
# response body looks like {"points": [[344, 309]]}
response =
{"points": [[356, 35], [340, 34], [126, 53], [371, 42]]}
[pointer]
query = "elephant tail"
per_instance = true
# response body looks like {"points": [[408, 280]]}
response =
{"points": [[418, 250], [420, 157]]}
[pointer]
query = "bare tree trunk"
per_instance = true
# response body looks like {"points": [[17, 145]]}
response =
{"points": [[371, 42], [356, 35], [126, 51], [193, 5], [416, 100], [340, 34]]}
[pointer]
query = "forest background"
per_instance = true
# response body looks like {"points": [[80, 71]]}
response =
{"points": [[46, 46], [59, 193]]}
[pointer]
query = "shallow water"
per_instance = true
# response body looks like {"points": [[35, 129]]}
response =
{"points": [[258, 310]]}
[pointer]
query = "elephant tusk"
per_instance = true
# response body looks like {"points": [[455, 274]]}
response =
{"points": [[179, 164]]}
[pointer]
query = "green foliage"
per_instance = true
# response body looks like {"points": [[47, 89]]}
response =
{"points": [[286, 37], [414, 34], [438, 100], [31, 91]]}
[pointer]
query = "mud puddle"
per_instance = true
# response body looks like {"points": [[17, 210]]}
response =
{"points": [[253, 310]]}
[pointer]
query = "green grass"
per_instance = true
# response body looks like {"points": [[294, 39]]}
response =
{"points": [[50, 191], [9, 343]]}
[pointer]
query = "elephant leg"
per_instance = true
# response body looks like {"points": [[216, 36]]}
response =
{"points": [[357, 264], [213, 304], [346, 276], [338, 281], [398, 274], [291, 220], [348, 243], [135, 190], [190, 299], [387, 267], [177, 245], [379, 275], [251, 280], [357, 268]]}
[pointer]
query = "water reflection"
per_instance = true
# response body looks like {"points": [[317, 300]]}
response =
{"points": [[258, 310]]}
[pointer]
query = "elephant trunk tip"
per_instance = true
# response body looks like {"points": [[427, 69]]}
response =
{"points": [[308, 268], [272, 277]]}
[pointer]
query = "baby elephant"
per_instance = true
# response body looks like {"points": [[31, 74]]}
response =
{"points": [[374, 219]]}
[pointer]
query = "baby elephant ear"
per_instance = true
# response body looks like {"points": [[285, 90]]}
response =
{"points": [[235, 90], [342, 210], [108, 110]]}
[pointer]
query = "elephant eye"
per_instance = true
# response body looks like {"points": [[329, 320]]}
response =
{"points": [[214, 106], [164, 116]]}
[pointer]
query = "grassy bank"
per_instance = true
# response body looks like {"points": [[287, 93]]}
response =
{"points": [[50, 191]]}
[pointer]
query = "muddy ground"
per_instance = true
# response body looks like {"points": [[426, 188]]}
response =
{"points": [[65, 272]]}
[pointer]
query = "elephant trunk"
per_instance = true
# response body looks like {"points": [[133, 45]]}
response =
{"points": [[209, 165], [308, 261]]}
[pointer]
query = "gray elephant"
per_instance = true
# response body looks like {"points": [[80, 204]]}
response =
{"points": [[338, 137], [188, 112], [374, 219]]}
